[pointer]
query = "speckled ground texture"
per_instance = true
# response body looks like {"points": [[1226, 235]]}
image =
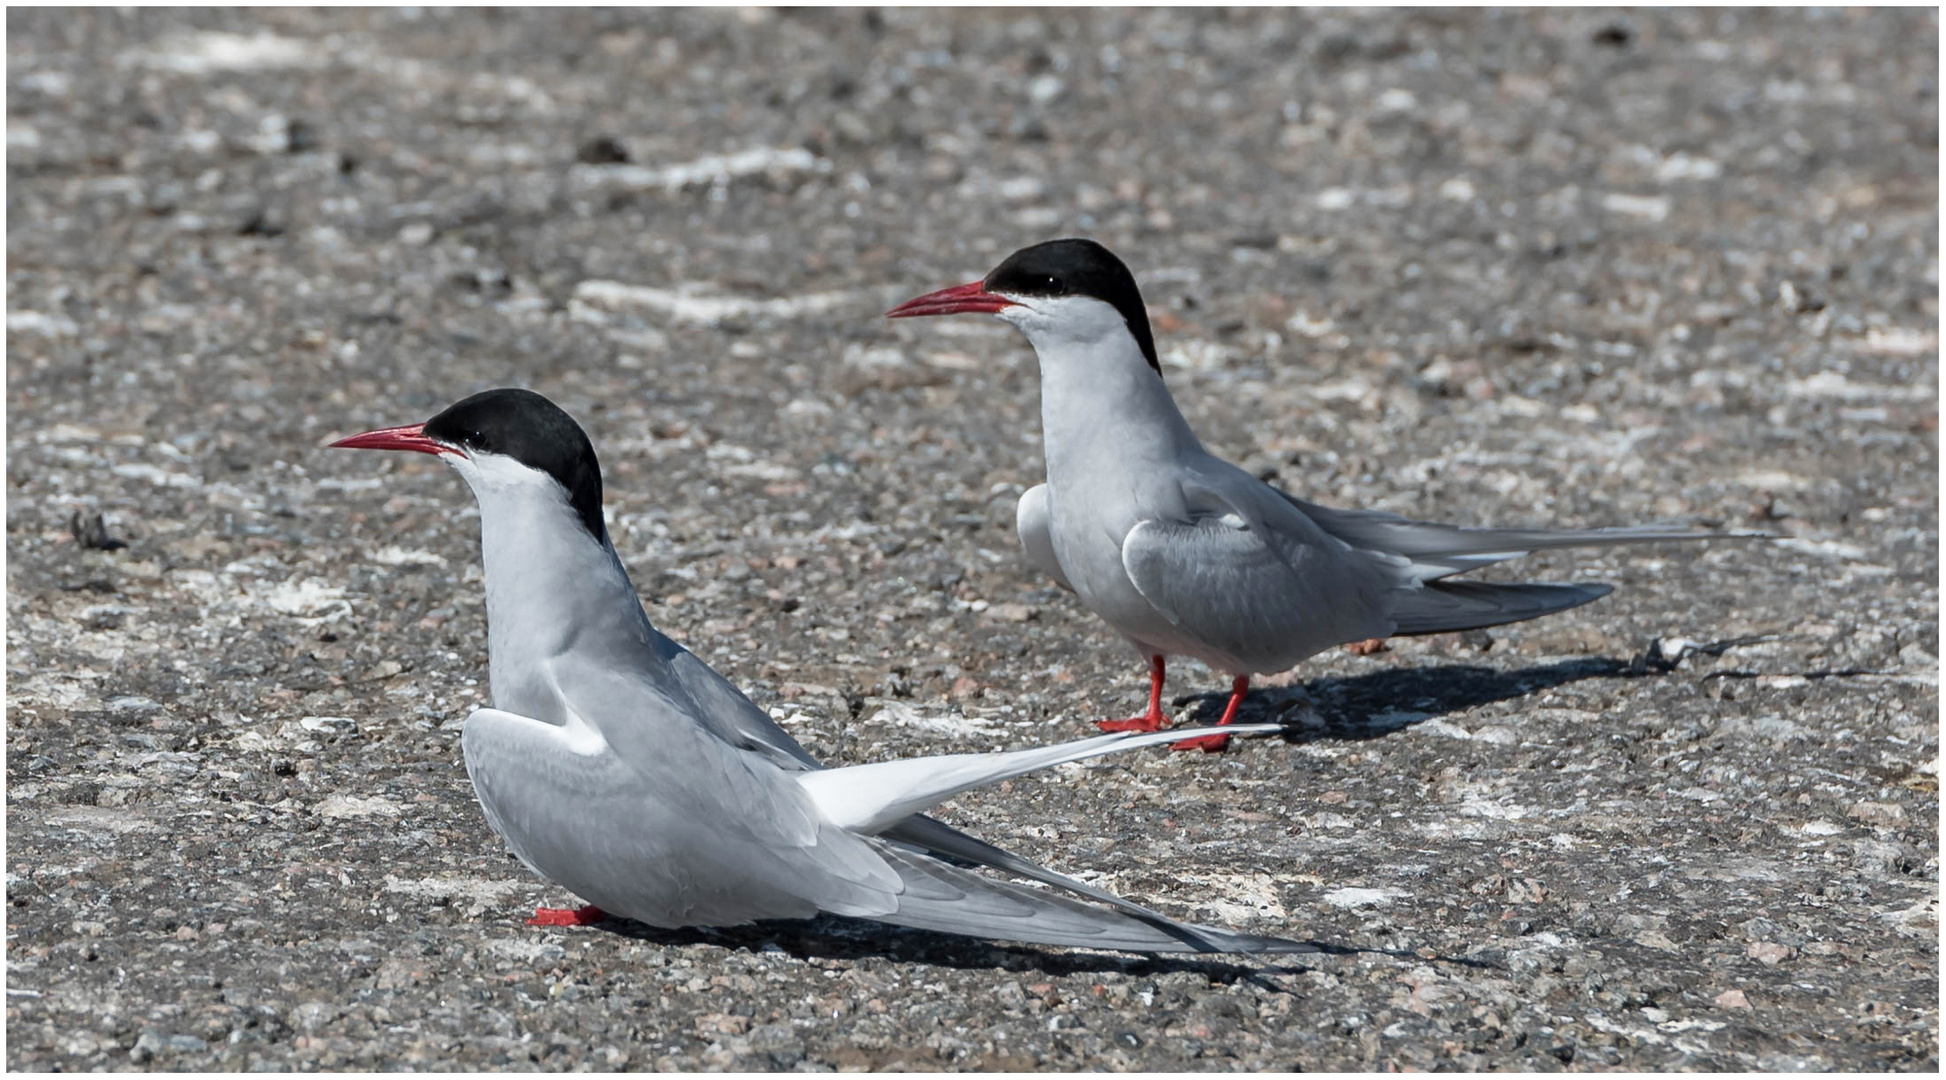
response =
{"points": [[1579, 267]]}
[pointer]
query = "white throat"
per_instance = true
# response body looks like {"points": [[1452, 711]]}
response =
{"points": [[551, 587], [1103, 407]]}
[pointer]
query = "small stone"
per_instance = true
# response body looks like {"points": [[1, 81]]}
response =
{"points": [[1732, 999], [602, 150], [146, 1046], [1656, 939], [263, 221], [1012, 612], [1769, 953], [1042, 89], [312, 1015], [300, 136], [1878, 815], [91, 531]]}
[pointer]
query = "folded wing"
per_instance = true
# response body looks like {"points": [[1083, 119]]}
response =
{"points": [[1249, 575], [937, 896]]}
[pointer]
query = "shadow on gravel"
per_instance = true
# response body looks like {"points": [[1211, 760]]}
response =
{"points": [[833, 937], [1376, 704]]}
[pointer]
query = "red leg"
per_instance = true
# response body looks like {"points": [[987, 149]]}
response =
{"points": [[1216, 744], [1151, 720], [560, 916]]}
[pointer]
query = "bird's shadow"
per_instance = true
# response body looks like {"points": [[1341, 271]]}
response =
{"points": [[1378, 703], [835, 937]]}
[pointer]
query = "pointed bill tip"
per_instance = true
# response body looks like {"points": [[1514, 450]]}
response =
{"points": [[971, 296], [404, 437]]}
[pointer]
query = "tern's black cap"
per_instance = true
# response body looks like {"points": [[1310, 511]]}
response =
{"points": [[534, 431], [1077, 267]]}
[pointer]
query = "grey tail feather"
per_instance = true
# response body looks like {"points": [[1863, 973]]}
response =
{"points": [[942, 839], [1443, 606], [1441, 550], [947, 899]]}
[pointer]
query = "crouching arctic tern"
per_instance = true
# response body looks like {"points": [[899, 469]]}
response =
{"points": [[1183, 553], [619, 766]]}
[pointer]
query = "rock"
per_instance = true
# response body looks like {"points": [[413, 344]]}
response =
{"points": [[1012, 612], [1878, 815], [1769, 953]]}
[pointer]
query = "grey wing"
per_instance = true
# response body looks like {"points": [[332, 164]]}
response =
{"points": [[1031, 524], [743, 723], [707, 839], [944, 898], [1439, 551], [726, 711], [1253, 578], [1445, 606]]}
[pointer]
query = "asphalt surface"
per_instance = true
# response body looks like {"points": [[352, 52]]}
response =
{"points": [[1570, 267]]}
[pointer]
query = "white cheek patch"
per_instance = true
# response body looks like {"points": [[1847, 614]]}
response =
{"points": [[502, 484], [1058, 319]]}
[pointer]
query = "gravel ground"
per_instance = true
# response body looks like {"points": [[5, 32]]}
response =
{"points": [[1572, 267]]}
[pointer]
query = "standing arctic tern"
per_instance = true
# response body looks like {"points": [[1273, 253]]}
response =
{"points": [[1183, 553], [618, 765]]}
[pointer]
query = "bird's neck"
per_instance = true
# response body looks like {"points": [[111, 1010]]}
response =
{"points": [[1105, 411], [552, 589]]}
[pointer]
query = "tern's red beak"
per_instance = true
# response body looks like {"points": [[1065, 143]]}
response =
{"points": [[405, 437], [971, 296]]}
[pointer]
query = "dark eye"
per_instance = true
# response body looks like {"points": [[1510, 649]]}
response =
{"points": [[476, 438], [1054, 286]]}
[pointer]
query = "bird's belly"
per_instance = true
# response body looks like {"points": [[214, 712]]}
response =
{"points": [[1092, 559]]}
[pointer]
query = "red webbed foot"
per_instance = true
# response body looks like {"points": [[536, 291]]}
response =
{"points": [[1151, 722], [554, 916], [1216, 744], [1208, 744]]}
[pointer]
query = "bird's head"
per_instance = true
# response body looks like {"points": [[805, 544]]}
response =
{"points": [[1060, 292], [509, 445]]}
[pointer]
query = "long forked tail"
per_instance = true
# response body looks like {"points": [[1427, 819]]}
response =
{"points": [[869, 798], [1444, 606], [945, 898], [1438, 551]]}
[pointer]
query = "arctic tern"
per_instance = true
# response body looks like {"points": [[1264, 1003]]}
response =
{"points": [[619, 766], [1183, 553]]}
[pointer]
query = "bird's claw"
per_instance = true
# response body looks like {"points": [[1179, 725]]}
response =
{"points": [[1208, 744], [1134, 723], [552, 916]]}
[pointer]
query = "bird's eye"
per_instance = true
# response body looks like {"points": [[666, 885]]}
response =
{"points": [[1054, 286], [476, 438]]}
